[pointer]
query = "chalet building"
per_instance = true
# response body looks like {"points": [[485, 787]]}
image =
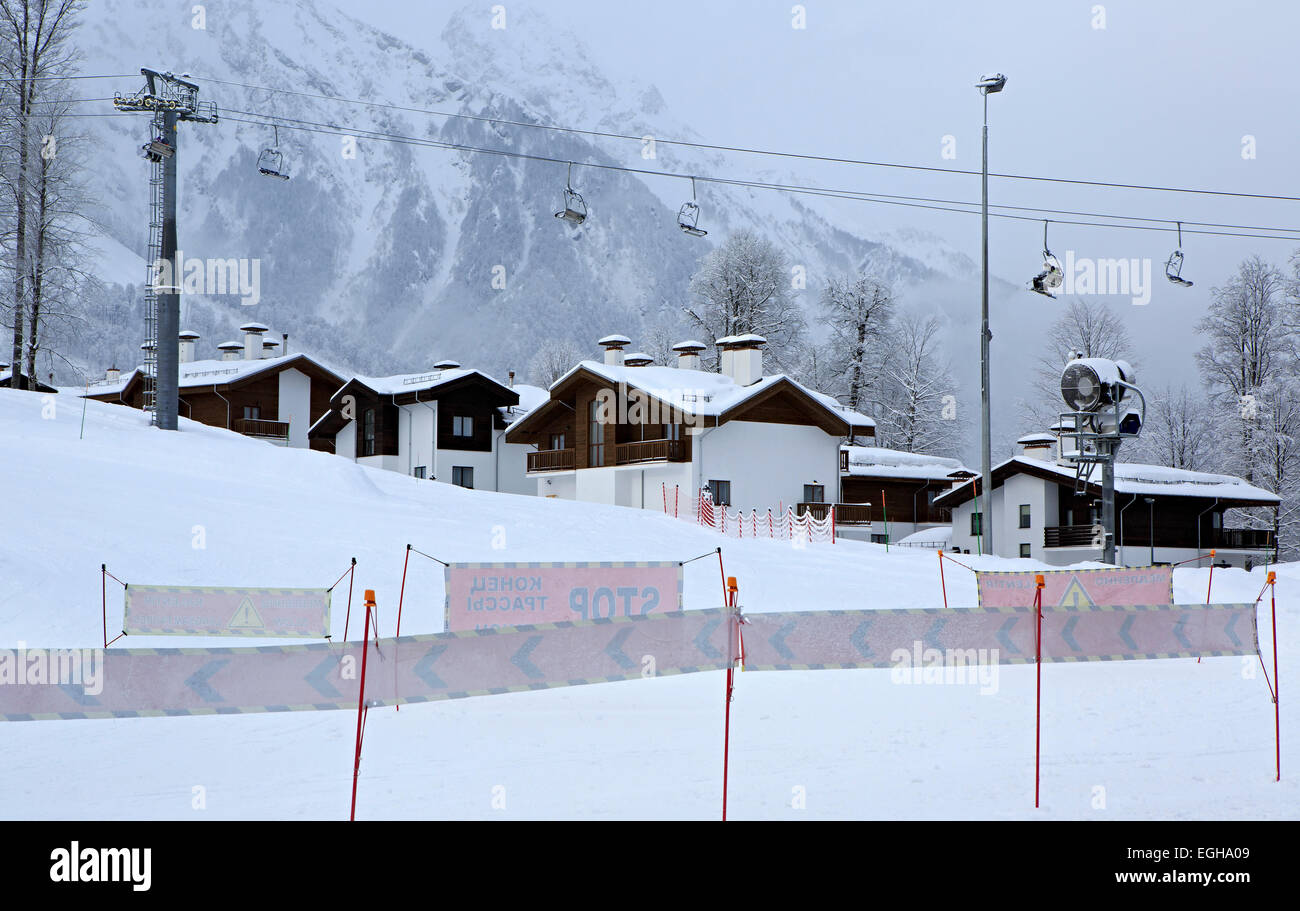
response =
{"points": [[893, 492], [249, 389], [627, 432], [6, 381], [447, 424], [1163, 515]]}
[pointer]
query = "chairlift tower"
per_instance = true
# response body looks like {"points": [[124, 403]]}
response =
{"points": [[170, 100]]}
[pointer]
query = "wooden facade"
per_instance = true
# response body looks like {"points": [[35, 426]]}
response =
{"points": [[901, 500]]}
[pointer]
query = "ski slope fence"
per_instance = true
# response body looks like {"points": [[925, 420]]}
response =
{"points": [[67, 684], [784, 524]]}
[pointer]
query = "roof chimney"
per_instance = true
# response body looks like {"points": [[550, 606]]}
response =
{"points": [[446, 364], [688, 354], [512, 379], [614, 345], [639, 359], [284, 348], [112, 375], [742, 358], [231, 351], [1037, 446], [268, 347], [188, 339], [252, 340]]}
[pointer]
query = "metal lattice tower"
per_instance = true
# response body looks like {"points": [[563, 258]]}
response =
{"points": [[170, 100]]}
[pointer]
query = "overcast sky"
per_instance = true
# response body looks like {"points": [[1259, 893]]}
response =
{"points": [[1135, 92]]}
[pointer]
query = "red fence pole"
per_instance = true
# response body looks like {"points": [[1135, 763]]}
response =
{"points": [[402, 595], [832, 523], [347, 617], [1209, 587], [731, 680], [103, 595], [1277, 716], [942, 584], [1038, 699], [361, 702]]}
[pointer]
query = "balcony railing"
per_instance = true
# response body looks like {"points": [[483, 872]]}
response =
{"points": [[255, 427], [1070, 536], [551, 460], [845, 513], [1242, 539], [648, 451]]}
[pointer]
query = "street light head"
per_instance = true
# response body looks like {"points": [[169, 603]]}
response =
{"points": [[991, 83]]}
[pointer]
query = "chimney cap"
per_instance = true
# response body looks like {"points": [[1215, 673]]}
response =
{"points": [[254, 327], [230, 346], [690, 346], [747, 340], [614, 341], [270, 343], [446, 364], [1036, 439], [188, 334], [638, 359]]}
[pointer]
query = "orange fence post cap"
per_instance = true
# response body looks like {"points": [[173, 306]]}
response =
{"points": [[1272, 577], [370, 595], [941, 551], [1211, 551], [731, 583], [1039, 580]]}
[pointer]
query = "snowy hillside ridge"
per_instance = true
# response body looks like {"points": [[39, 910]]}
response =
{"points": [[206, 506], [371, 260]]}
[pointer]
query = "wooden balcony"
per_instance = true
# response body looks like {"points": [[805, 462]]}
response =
{"points": [[266, 430], [551, 460], [1241, 539], [845, 513], [648, 451]]}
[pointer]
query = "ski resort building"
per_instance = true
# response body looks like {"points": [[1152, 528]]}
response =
{"points": [[1162, 515], [447, 424], [628, 432], [893, 492], [6, 381], [250, 388]]}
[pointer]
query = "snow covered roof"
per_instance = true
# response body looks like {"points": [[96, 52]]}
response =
{"points": [[204, 373], [879, 462], [1133, 478], [738, 341], [703, 393], [614, 341], [414, 382], [1031, 439]]}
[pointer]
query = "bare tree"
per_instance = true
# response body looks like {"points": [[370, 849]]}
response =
{"points": [[554, 358], [1178, 432], [919, 404], [1090, 328], [860, 314], [34, 48], [743, 286]]}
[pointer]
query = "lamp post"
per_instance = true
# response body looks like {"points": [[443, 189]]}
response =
{"points": [[987, 85], [1151, 526]]}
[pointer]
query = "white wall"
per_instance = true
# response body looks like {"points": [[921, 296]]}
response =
{"points": [[345, 441], [767, 464], [563, 486], [295, 405], [512, 467]]}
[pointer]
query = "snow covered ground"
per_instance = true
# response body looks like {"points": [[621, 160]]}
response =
{"points": [[1143, 739]]}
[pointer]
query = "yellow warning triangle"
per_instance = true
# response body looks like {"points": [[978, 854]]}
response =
{"points": [[246, 616], [1075, 595]]}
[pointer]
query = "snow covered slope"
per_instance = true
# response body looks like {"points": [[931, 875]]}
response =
{"points": [[1167, 739]]}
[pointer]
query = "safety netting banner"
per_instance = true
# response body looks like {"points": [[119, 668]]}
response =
{"points": [[492, 595], [41, 684], [824, 640], [175, 610], [1110, 587]]}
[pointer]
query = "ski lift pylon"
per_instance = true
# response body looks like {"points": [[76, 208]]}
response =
{"points": [[688, 216], [271, 161], [575, 208], [1052, 276], [1174, 265]]}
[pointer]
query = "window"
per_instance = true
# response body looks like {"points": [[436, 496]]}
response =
{"points": [[252, 412], [879, 539], [596, 437], [1024, 517], [368, 432], [1024, 550], [672, 431], [462, 476], [814, 493], [462, 426], [976, 523], [420, 471], [557, 441], [721, 491]]}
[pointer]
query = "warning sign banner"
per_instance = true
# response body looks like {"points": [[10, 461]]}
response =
{"points": [[494, 595], [173, 610], [1079, 588]]}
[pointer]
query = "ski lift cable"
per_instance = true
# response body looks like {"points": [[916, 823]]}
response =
{"points": [[754, 151], [845, 193], [852, 195]]}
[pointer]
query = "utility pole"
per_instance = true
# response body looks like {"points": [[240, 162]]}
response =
{"points": [[170, 100], [987, 85]]}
